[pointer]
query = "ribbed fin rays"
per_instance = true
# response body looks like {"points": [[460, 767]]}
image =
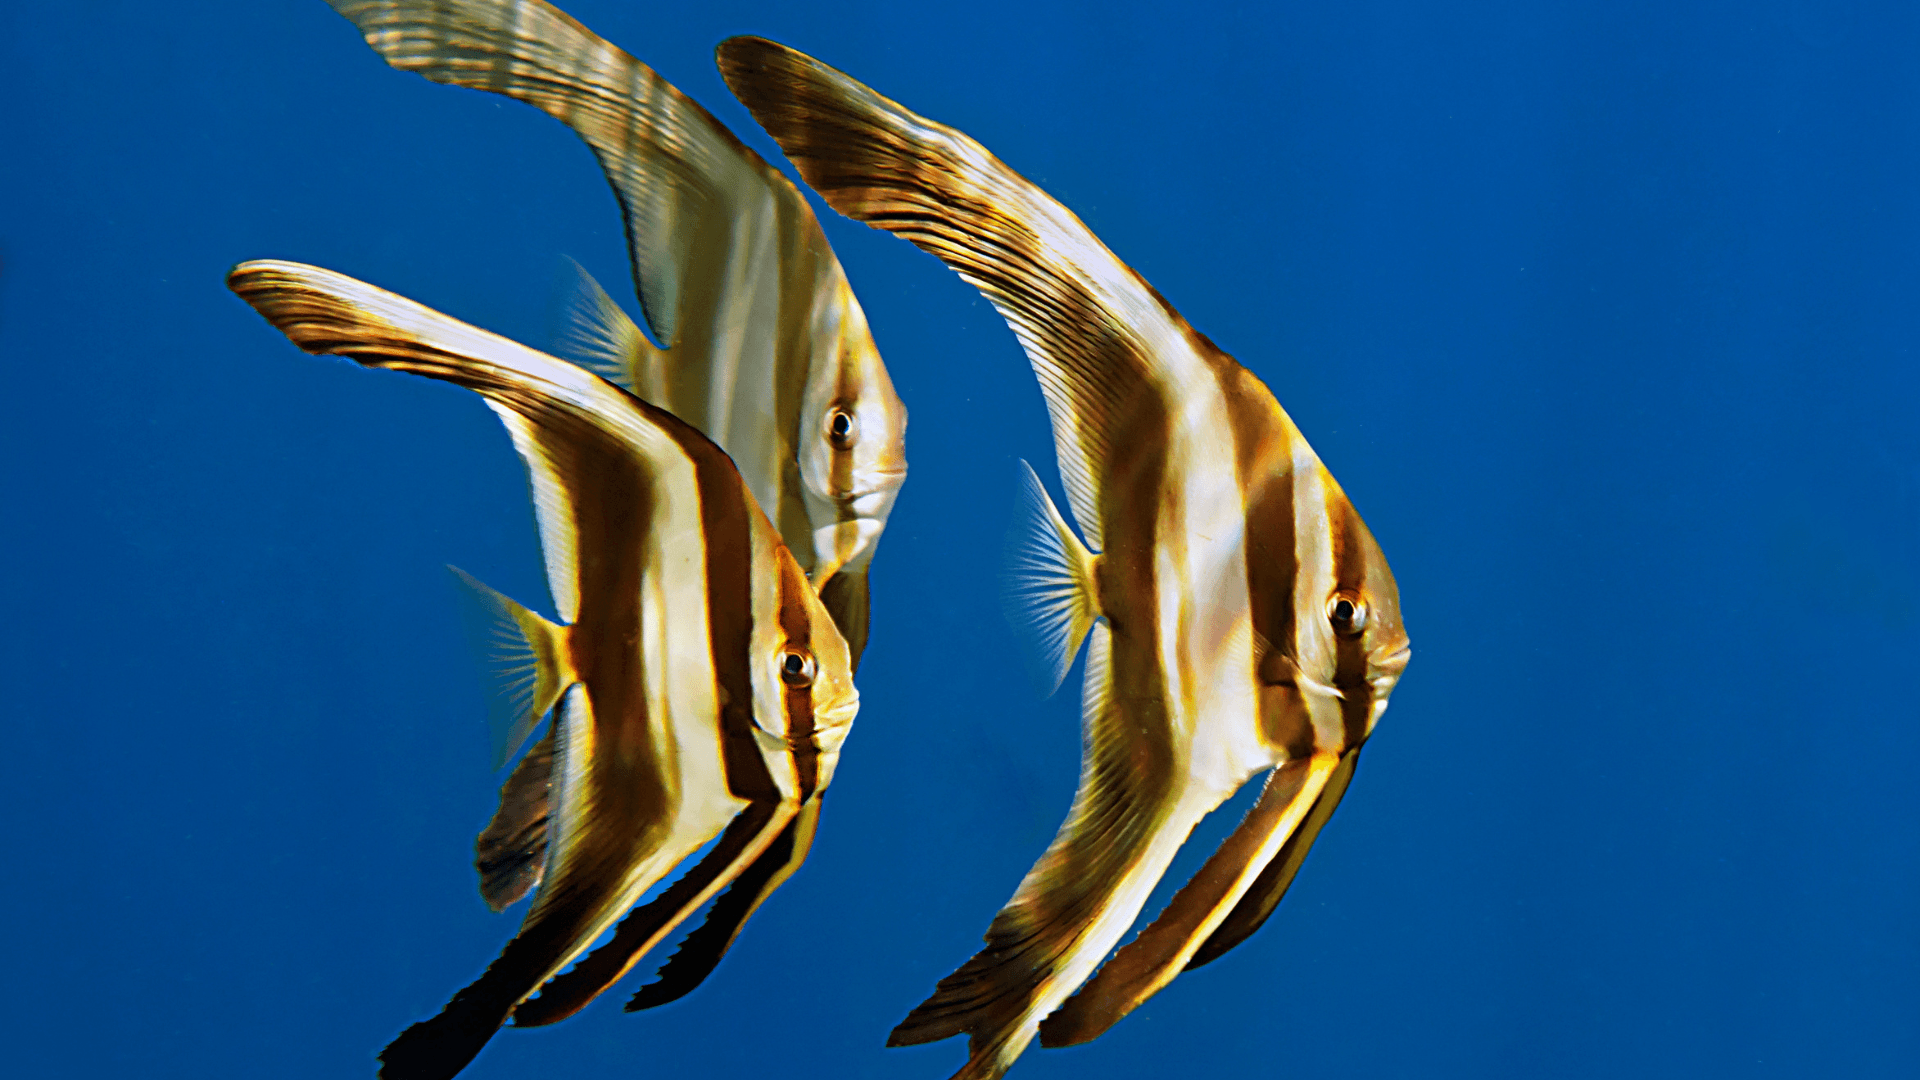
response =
{"points": [[676, 170], [1098, 338], [1050, 589], [571, 793], [527, 663], [511, 852], [603, 339]]}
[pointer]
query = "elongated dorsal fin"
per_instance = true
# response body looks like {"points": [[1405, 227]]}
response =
{"points": [[1050, 593]]}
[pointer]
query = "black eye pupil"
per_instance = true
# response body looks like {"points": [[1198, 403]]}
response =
{"points": [[795, 664], [1343, 612], [842, 423]]}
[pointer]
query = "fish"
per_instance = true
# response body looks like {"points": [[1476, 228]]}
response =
{"points": [[765, 348], [768, 351], [1238, 615], [698, 686]]}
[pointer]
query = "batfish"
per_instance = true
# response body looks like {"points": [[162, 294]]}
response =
{"points": [[1241, 617], [767, 351], [698, 686]]}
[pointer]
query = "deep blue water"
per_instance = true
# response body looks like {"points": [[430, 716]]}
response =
{"points": [[1604, 314]]}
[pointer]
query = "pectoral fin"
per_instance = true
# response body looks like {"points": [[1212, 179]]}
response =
{"points": [[528, 663], [746, 837], [1050, 595], [1151, 960]]}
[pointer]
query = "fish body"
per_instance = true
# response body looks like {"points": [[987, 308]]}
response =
{"points": [[698, 686], [766, 350], [1241, 617]]}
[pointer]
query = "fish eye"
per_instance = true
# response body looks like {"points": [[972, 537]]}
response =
{"points": [[1348, 614], [842, 428], [796, 668]]}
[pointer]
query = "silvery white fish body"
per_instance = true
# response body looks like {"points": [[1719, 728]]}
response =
{"points": [[1241, 617], [699, 688]]}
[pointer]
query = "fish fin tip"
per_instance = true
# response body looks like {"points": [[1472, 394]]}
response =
{"points": [[525, 658], [1049, 586], [428, 1051], [600, 336]]}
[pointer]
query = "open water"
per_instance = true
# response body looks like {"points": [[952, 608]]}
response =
{"points": [[1605, 314]]}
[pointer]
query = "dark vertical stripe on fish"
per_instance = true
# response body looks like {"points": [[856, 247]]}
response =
{"points": [[726, 524], [1350, 578], [1263, 458], [795, 624]]}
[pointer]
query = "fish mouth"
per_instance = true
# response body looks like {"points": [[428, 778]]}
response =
{"points": [[1386, 675], [834, 724], [843, 713], [887, 480], [1395, 661]]}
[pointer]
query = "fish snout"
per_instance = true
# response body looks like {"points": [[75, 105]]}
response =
{"points": [[1383, 675], [1392, 663], [836, 719]]}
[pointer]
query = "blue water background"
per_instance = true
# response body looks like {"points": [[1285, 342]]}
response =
{"points": [[1604, 314]]}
